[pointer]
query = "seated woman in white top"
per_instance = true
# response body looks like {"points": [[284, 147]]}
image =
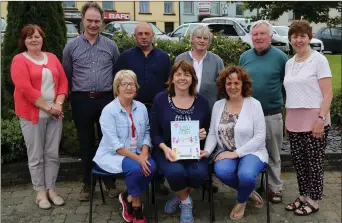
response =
{"points": [[238, 132], [125, 144]]}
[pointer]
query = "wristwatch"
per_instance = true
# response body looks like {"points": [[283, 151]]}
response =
{"points": [[323, 118]]}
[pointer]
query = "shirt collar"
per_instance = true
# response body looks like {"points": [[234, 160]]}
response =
{"points": [[117, 103], [205, 55], [96, 41], [150, 53], [262, 52]]}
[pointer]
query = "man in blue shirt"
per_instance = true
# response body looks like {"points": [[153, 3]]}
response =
{"points": [[152, 67]]}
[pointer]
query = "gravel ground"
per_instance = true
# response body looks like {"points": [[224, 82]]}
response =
{"points": [[334, 142]]}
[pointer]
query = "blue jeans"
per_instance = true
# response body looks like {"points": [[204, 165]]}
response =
{"points": [[240, 174], [183, 173], [135, 180]]}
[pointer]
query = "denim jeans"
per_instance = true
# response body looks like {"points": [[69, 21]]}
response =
{"points": [[240, 174], [135, 180], [183, 173]]}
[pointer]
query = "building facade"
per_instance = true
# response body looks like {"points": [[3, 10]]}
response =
{"points": [[165, 15]]}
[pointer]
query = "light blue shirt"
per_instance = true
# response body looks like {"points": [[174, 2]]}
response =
{"points": [[117, 133]]}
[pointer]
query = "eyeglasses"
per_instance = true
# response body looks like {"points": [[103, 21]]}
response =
{"points": [[133, 126], [125, 84]]}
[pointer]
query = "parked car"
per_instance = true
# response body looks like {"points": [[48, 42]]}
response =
{"points": [[72, 32], [129, 26], [3, 28], [331, 37], [283, 31], [230, 30], [244, 24]]}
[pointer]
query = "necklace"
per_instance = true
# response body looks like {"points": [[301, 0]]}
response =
{"points": [[299, 63]]}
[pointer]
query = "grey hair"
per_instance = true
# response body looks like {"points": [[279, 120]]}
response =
{"points": [[202, 31], [119, 76], [260, 22]]}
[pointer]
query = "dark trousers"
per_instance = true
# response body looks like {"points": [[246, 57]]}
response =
{"points": [[307, 156], [86, 113], [183, 173]]}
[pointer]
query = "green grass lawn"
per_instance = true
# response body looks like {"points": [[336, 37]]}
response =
{"points": [[335, 66]]}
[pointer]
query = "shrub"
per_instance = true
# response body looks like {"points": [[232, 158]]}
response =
{"points": [[228, 49], [335, 109], [12, 141]]}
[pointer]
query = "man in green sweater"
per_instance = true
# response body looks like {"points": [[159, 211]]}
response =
{"points": [[266, 67]]}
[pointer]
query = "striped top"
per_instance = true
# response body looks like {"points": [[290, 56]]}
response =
{"points": [[90, 67]]}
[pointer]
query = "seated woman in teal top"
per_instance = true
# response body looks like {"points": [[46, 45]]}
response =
{"points": [[125, 144]]}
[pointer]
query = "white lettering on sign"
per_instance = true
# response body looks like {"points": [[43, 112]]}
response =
{"points": [[119, 16]]}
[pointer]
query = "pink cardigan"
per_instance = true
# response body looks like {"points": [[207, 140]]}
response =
{"points": [[27, 79]]}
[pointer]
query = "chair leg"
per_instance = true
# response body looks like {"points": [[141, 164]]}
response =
{"points": [[211, 196], [203, 192], [267, 200], [261, 191], [103, 198], [91, 199], [153, 188], [147, 201]]}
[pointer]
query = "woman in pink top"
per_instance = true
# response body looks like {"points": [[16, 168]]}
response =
{"points": [[40, 90], [308, 97]]}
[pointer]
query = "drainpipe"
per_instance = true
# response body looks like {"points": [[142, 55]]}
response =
{"points": [[179, 11], [134, 10]]}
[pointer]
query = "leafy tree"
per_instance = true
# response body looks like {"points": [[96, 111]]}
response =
{"points": [[312, 11], [49, 16]]}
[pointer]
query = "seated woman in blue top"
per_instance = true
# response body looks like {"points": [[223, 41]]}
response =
{"points": [[180, 102], [125, 144], [238, 132]]}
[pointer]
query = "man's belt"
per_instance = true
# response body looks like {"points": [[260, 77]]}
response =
{"points": [[92, 94], [272, 111]]}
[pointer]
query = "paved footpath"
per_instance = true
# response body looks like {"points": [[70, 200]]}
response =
{"points": [[17, 205]]}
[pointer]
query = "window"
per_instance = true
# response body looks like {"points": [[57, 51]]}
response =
{"points": [[168, 7], [215, 8], [336, 32], [192, 27], [71, 4], [144, 7], [107, 5], [168, 28], [326, 32], [180, 32], [188, 8], [239, 10], [109, 28], [222, 29]]}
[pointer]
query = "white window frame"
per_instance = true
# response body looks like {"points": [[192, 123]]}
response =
{"points": [[236, 6], [217, 8], [68, 6], [192, 8], [113, 5], [168, 5], [144, 5]]}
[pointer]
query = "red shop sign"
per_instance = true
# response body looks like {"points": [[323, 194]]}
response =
{"points": [[117, 16]]}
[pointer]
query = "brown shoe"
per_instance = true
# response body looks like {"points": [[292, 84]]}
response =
{"points": [[85, 192], [112, 191]]}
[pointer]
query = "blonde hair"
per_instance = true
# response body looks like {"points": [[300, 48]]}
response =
{"points": [[119, 76]]}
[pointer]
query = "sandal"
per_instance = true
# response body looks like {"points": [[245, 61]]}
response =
{"points": [[234, 211], [304, 211], [272, 195], [43, 203], [293, 205], [259, 203]]}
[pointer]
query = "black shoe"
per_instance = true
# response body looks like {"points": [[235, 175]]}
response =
{"points": [[162, 189]]}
